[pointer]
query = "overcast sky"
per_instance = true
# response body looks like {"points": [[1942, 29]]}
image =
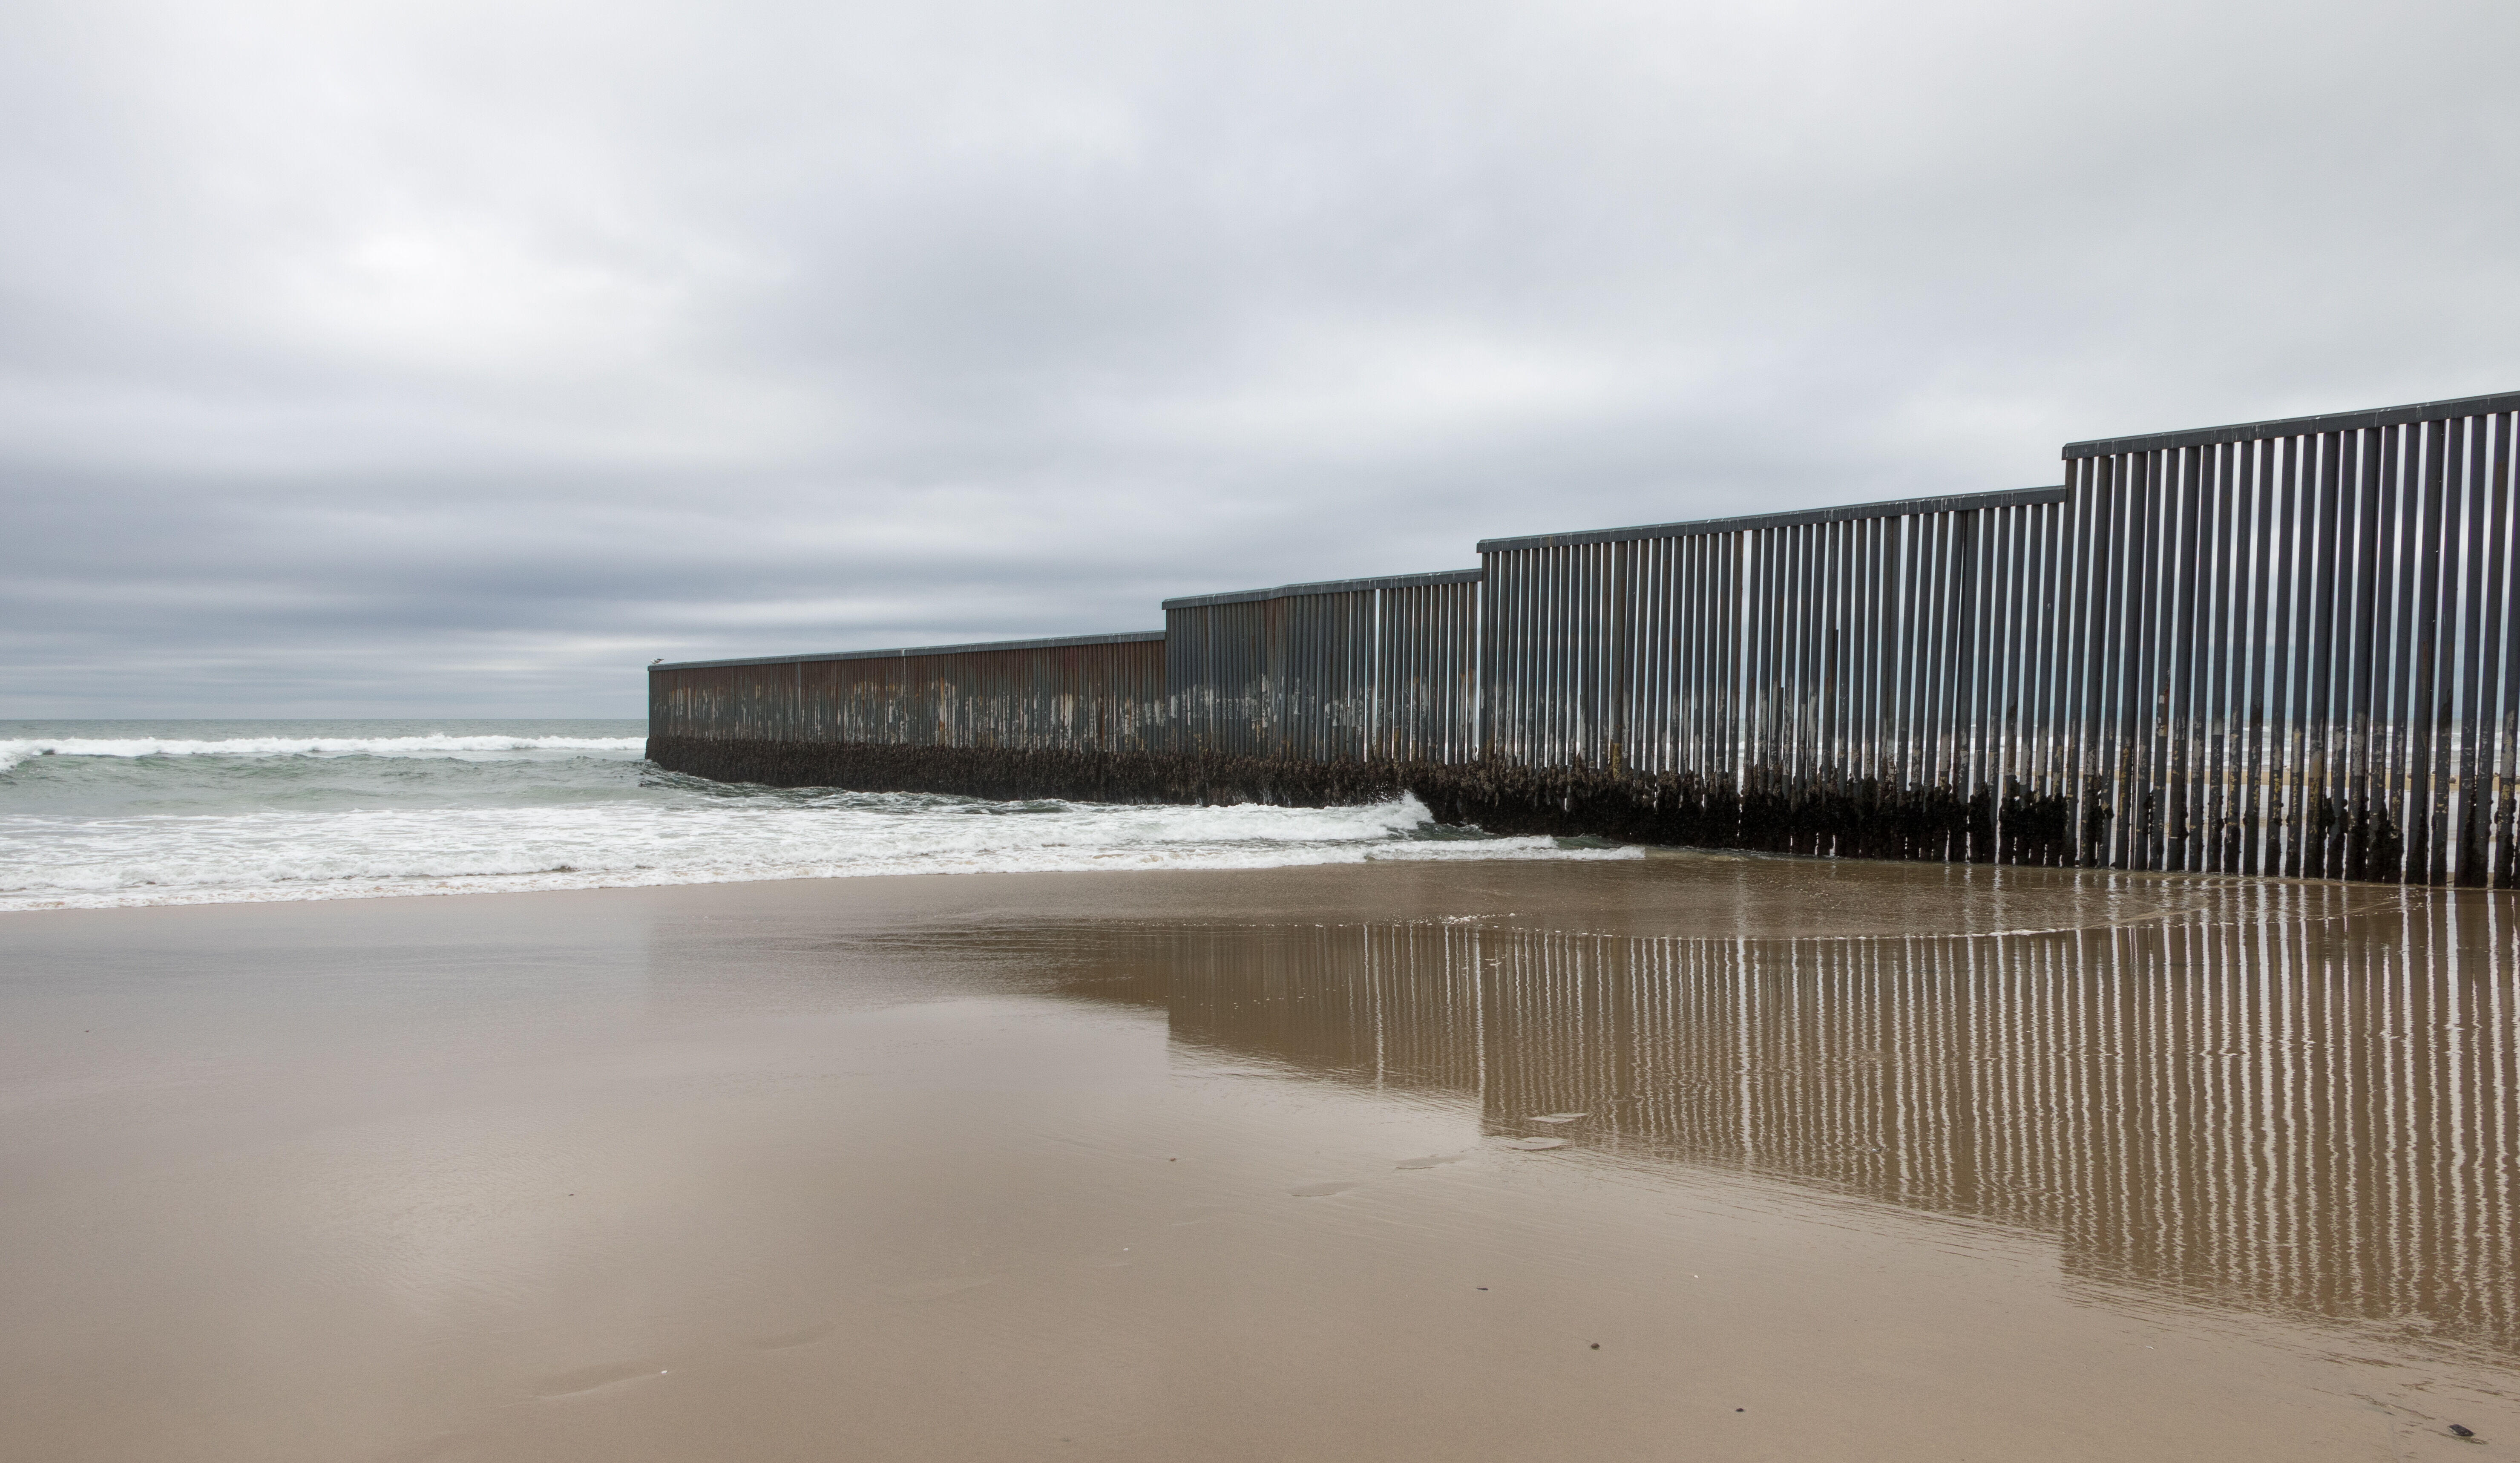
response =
{"points": [[450, 359]]}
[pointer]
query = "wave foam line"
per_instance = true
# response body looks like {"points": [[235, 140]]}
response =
{"points": [[12, 753], [51, 861]]}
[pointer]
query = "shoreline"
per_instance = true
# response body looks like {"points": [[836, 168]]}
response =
{"points": [[2029, 880], [1659, 893]]}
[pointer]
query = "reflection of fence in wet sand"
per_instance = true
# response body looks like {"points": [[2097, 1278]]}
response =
{"points": [[2305, 1113]]}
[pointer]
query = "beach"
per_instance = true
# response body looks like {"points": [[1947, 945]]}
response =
{"points": [[1673, 1157]]}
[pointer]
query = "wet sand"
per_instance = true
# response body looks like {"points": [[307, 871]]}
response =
{"points": [[1685, 1158]]}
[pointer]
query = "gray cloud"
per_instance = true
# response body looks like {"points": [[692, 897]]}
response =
{"points": [[463, 359]]}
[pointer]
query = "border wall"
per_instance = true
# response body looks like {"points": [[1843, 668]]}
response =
{"points": [[2281, 648], [1073, 717]]}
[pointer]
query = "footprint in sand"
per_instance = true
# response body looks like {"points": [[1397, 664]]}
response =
{"points": [[1431, 1161], [804, 1337], [1320, 1190], [594, 1379], [1532, 1143]]}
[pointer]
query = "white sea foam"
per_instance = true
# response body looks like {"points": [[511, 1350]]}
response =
{"points": [[12, 752], [171, 813], [53, 862]]}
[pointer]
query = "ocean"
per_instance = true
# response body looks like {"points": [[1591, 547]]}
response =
{"points": [[106, 814]]}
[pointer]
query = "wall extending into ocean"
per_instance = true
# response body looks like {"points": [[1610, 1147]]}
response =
{"points": [[2281, 648]]}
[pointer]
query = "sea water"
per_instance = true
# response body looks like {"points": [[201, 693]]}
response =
{"points": [[97, 814]]}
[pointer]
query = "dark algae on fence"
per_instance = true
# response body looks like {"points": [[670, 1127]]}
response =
{"points": [[2282, 648]]}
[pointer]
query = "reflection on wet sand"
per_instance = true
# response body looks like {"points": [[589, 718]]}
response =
{"points": [[2300, 1099], [1172, 1165]]}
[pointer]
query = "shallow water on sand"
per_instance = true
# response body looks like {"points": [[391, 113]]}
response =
{"points": [[1680, 1157]]}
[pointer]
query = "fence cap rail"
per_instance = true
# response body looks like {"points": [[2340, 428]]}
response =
{"points": [[2344, 421], [1698, 528], [1326, 586], [1058, 642]]}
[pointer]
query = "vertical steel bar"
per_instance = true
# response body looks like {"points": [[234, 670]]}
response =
{"points": [[2266, 521], [2470, 805]]}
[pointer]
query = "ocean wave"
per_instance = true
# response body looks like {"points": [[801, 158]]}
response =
{"points": [[12, 752], [133, 861], [237, 812]]}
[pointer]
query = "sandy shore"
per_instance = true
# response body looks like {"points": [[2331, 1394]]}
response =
{"points": [[1689, 1158]]}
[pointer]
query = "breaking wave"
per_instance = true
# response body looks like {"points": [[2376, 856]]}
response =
{"points": [[364, 811]]}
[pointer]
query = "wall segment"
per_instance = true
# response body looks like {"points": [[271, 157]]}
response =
{"points": [[2280, 647]]}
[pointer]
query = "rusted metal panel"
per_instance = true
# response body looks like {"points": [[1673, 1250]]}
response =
{"points": [[1831, 682], [1361, 670], [1087, 693]]}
